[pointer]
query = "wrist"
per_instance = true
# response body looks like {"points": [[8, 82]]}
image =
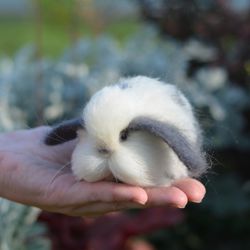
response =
{"points": [[5, 165], [2, 173]]}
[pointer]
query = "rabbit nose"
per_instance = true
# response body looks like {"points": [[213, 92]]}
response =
{"points": [[104, 151]]}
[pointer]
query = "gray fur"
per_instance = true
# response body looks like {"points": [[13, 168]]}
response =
{"points": [[63, 132], [189, 154], [124, 85]]}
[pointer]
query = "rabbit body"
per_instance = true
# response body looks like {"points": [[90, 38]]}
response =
{"points": [[137, 158]]}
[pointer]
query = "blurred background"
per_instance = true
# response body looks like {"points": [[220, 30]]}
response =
{"points": [[58, 53]]}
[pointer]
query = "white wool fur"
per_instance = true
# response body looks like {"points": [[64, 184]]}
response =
{"points": [[143, 159]]}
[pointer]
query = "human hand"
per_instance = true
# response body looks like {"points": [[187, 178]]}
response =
{"points": [[34, 174]]}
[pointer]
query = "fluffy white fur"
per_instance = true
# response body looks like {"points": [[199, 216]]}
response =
{"points": [[142, 159]]}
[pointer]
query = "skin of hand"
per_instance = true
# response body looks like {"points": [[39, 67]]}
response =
{"points": [[35, 174]]}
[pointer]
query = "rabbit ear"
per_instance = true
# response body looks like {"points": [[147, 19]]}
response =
{"points": [[63, 132], [190, 156]]}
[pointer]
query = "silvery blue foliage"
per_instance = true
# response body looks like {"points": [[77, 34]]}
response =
{"points": [[54, 90], [18, 227], [17, 222], [220, 107], [18, 230]]}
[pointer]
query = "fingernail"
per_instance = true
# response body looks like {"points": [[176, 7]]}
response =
{"points": [[197, 201], [141, 198], [177, 206], [181, 206], [141, 201]]}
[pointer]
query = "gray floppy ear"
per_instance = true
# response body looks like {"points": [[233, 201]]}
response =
{"points": [[63, 132], [192, 157]]}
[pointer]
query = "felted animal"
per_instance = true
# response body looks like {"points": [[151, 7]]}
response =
{"points": [[139, 131]]}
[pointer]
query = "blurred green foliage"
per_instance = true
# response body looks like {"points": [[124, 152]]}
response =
{"points": [[18, 33], [55, 13], [59, 25]]}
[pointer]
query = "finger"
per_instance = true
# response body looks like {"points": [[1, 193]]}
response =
{"points": [[110, 192], [169, 196], [84, 192], [100, 208], [194, 190]]}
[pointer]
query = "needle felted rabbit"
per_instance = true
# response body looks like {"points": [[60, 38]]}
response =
{"points": [[139, 131]]}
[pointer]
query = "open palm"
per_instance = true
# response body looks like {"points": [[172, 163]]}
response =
{"points": [[38, 175]]}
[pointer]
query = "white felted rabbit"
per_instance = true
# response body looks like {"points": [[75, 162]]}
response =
{"points": [[139, 131]]}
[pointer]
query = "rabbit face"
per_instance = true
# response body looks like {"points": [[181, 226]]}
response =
{"points": [[142, 159]]}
